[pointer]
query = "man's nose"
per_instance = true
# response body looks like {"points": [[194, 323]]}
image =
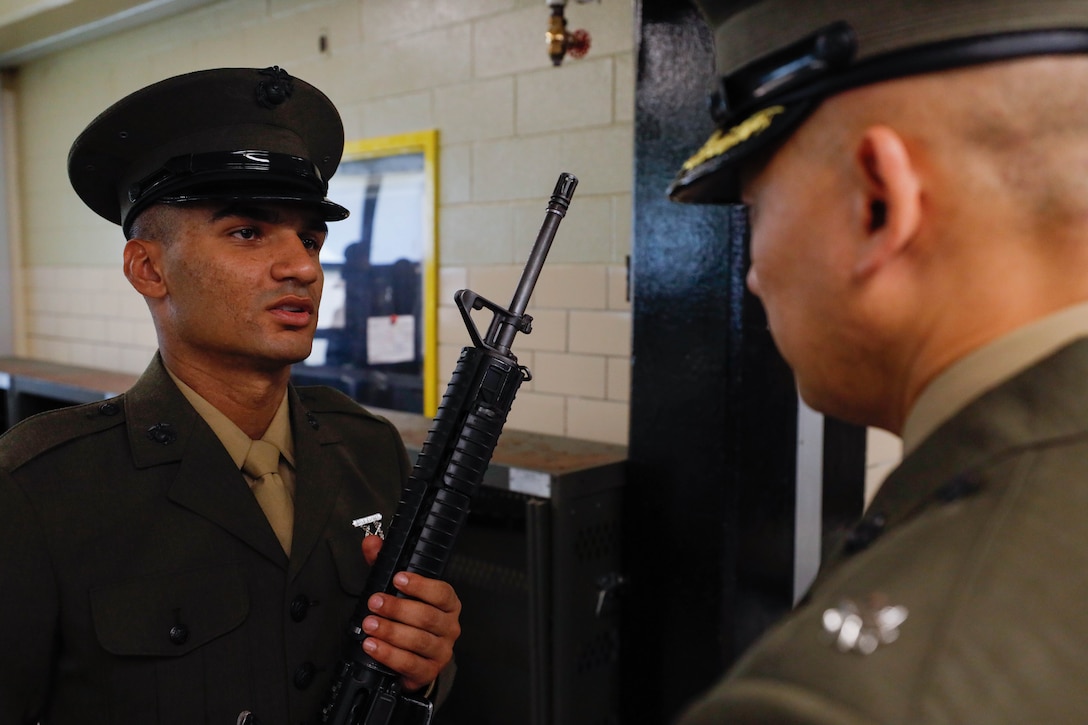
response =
{"points": [[295, 261], [752, 280]]}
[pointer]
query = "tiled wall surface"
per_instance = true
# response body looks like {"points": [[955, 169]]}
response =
{"points": [[578, 351], [88, 316], [509, 123]]}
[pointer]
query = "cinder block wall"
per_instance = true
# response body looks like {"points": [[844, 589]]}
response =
{"points": [[509, 123]]}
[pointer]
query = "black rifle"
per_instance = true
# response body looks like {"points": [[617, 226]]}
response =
{"points": [[446, 476]]}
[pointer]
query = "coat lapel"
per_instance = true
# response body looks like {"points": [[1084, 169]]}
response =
{"points": [[165, 430], [317, 481]]}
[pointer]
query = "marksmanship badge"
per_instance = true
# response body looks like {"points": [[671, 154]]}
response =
{"points": [[371, 525]]}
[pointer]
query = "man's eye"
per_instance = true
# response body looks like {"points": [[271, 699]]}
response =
{"points": [[246, 233], [311, 243]]}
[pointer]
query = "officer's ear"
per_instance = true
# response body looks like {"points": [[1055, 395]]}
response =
{"points": [[143, 267], [890, 212]]}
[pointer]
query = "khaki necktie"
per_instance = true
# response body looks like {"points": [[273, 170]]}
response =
{"points": [[263, 464]]}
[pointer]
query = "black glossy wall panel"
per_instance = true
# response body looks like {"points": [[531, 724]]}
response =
{"points": [[709, 505]]}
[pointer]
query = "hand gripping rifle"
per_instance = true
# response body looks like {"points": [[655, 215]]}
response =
{"points": [[447, 474]]}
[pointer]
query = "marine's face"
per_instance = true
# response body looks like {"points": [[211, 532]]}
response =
{"points": [[243, 284], [800, 266]]}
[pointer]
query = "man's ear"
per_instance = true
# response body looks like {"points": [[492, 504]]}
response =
{"points": [[143, 267], [891, 209]]}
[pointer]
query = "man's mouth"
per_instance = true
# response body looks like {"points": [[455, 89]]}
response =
{"points": [[294, 312]]}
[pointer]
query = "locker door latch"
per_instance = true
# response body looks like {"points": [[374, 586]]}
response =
{"points": [[608, 593]]}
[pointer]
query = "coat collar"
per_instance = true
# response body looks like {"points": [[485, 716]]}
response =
{"points": [[1046, 402]]}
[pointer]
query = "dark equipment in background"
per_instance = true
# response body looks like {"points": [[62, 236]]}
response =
{"points": [[538, 574]]}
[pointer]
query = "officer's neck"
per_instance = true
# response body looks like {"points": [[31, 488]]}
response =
{"points": [[248, 397]]}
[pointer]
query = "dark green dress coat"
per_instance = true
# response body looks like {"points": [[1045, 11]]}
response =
{"points": [[982, 536], [140, 583]]}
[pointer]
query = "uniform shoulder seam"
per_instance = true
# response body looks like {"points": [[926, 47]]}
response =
{"points": [[42, 432]]}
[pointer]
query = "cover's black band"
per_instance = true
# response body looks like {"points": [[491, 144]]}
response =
{"points": [[247, 174], [803, 71], [197, 166]]}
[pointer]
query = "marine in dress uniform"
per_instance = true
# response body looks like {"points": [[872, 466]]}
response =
{"points": [[142, 579], [958, 597]]}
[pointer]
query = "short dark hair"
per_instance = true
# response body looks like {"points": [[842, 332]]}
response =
{"points": [[154, 223]]}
